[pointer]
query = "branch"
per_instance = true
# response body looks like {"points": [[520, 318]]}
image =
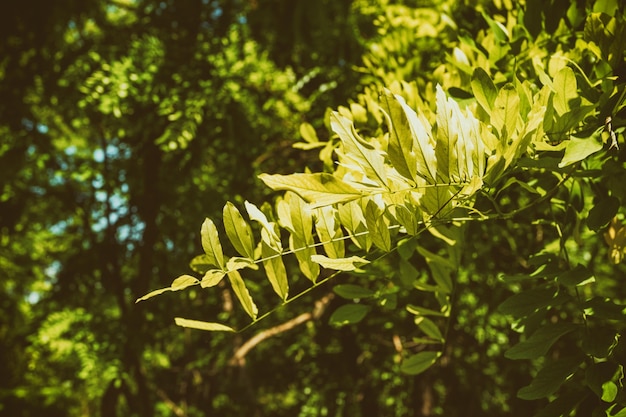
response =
{"points": [[238, 358]]}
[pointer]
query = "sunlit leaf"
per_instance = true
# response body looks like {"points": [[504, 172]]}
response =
{"points": [[235, 263], [211, 244], [183, 282], [401, 149], [484, 89], [329, 232], [378, 228], [340, 264], [202, 263], [238, 231], [423, 143], [369, 159], [506, 111], [579, 149], [352, 218], [317, 189], [566, 90], [240, 290], [212, 278], [275, 269], [202, 325]]}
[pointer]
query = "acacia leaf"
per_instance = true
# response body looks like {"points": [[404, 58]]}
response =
{"points": [[202, 325], [318, 190], [238, 231], [211, 244], [418, 363]]}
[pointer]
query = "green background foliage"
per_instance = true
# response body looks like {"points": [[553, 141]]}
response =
{"points": [[443, 232]]}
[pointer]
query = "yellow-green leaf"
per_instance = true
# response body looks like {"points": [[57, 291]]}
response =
{"points": [[240, 290], [343, 264], [357, 152], [212, 278], [423, 142], [319, 190], [211, 243], [202, 325], [566, 90], [183, 282], [275, 269], [238, 231], [329, 232], [506, 112], [484, 89]]}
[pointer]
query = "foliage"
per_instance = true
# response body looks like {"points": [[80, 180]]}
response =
{"points": [[530, 141]]}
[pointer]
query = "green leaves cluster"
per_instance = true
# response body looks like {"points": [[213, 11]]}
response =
{"points": [[484, 137]]}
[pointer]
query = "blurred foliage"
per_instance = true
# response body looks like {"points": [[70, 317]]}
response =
{"points": [[125, 123]]}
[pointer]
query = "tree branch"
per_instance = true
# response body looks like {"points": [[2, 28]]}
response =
{"points": [[238, 358]]}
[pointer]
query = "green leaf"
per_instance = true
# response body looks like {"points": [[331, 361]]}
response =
{"points": [[550, 378], [579, 149], [563, 404], [620, 413], [307, 131], [599, 341], [202, 263], [258, 216], [422, 311], [238, 231], [351, 291], [423, 143], [378, 228], [441, 269], [236, 263], [577, 276], [212, 278], [605, 308], [603, 212], [319, 190], [356, 151], [153, 294], [348, 314], [540, 342], [352, 218], [183, 282], [401, 146], [275, 269], [329, 232], [506, 112], [211, 244], [527, 302], [178, 284], [202, 325], [566, 90], [340, 264], [240, 290], [418, 363], [484, 89], [296, 216], [499, 31], [429, 328]]}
